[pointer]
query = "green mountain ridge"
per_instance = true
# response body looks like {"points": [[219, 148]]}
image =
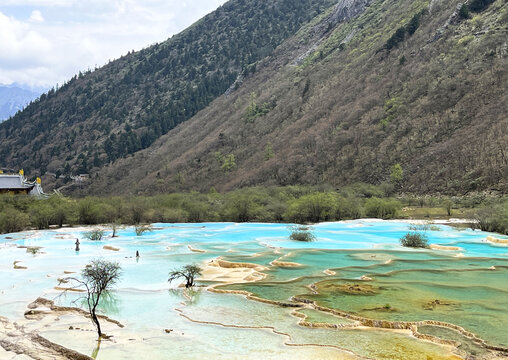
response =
{"points": [[123, 107], [361, 88]]}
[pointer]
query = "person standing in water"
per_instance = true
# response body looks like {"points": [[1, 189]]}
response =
{"points": [[77, 244], [137, 253]]}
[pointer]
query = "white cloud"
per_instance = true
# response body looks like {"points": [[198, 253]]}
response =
{"points": [[76, 35], [36, 16], [39, 3], [20, 45]]}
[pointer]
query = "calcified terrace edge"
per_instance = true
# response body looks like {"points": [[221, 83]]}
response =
{"points": [[270, 328], [301, 303], [298, 303]]}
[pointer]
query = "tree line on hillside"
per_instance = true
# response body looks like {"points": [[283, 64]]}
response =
{"points": [[129, 103], [296, 204]]}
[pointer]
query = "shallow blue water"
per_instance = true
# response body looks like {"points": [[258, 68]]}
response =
{"points": [[145, 301]]}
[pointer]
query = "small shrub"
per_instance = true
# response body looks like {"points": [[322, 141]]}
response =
{"points": [[12, 220], [465, 40], [141, 229], [226, 162], [396, 173], [254, 110], [419, 227], [479, 5], [314, 207], [268, 152], [414, 240], [301, 233], [464, 12], [381, 208], [405, 31], [493, 218], [33, 250], [448, 205], [95, 234]]}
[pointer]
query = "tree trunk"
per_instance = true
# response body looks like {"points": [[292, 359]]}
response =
{"points": [[96, 322]]}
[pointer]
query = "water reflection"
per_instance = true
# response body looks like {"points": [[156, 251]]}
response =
{"points": [[110, 303], [96, 350], [191, 295]]}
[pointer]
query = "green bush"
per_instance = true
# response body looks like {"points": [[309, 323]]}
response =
{"points": [[41, 216], [464, 12], [405, 31], [448, 205], [12, 220], [88, 211], [241, 207], [414, 240], [382, 208], [174, 216], [95, 234], [301, 233], [254, 110], [313, 207], [363, 190], [479, 5], [347, 208], [493, 218], [141, 229], [64, 210], [197, 211]]}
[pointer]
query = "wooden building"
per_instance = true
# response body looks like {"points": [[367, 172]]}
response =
{"points": [[18, 184]]}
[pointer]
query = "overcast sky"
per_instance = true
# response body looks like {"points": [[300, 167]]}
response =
{"points": [[45, 42]]}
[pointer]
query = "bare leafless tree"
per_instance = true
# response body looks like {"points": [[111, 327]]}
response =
{"points": [[97, 278]]}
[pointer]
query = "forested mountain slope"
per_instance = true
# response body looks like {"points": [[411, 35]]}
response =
{"points": [[123, 107], [422, 84]]}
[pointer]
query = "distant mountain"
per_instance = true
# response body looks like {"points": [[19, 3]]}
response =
{"points": [[13, 99]]}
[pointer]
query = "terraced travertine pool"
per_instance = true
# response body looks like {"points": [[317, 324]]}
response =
{"points": [[354, 293]]}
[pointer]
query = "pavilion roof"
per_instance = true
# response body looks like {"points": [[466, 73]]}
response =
{"points": [[14, 182]]}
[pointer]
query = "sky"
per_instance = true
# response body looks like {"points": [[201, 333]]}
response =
{"points": [[45, 42]]}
